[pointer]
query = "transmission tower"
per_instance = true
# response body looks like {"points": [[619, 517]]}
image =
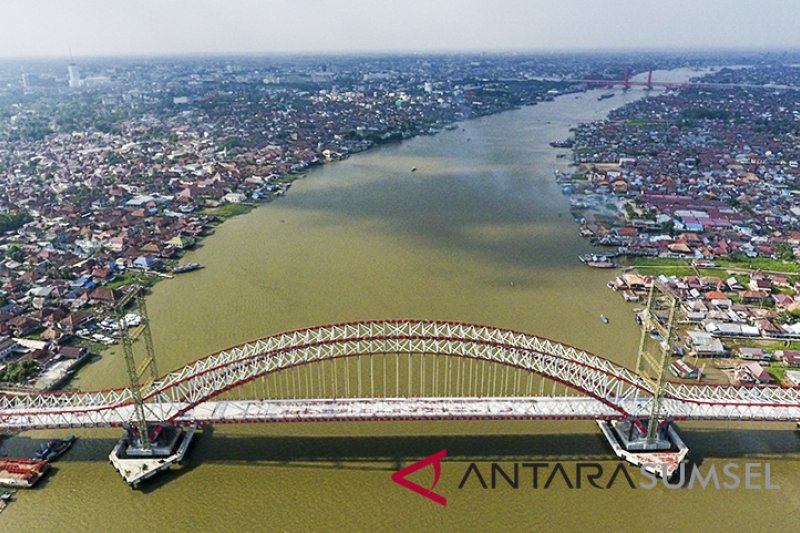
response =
{"points": [[655, 349]]}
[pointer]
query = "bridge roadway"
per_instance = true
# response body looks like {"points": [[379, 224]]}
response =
{"points": [[367, 409]]}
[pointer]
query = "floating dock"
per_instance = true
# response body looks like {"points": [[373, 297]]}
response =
{"points": [[136, 464], [661, 458]]}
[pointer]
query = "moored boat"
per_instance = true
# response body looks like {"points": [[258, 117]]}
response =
{"points": [[187, 268], [597, 261], [5, 498], [54, 449]]}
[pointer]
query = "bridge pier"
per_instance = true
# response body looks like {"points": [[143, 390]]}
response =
{"points": [[660, 456], [136, 461]]}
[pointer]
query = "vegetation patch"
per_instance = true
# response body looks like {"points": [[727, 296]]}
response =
{"points": [[230, 210], [132, 278], [18, 371], [760, 263]]}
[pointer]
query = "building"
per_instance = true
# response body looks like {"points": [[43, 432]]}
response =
{"points": [[684, 370], [750, 374], [753, 354], [705, 344], [74, 76], [7, 346], [790, 357], [144, 262]]}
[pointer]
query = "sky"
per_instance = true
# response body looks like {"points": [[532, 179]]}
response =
{"points": [[165, 27]]}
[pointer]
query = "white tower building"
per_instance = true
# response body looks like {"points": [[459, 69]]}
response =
{"points": [[74, 76]]}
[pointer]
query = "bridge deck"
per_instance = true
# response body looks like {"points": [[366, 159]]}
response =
{"points": [[313, 410], [361, 409], [398, 409]]}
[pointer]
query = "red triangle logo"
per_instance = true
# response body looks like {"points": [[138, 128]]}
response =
{"points": [[399, 477]]}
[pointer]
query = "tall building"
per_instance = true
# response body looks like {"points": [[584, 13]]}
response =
{"points": [[74, 76]]}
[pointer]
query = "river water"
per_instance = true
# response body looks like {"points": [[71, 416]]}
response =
{"points": [[479, 233]]}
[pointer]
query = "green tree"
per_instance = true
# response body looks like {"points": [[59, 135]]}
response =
{"points": [[15, 253], [784, 252], [12, 221]]}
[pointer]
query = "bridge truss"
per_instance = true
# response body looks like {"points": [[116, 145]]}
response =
{"points": [[438, 363]]}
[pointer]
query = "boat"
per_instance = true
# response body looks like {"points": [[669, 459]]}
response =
{"points": [[5, 499], [604, 318], [54, 449], [22, 473], [597, 261], [187, 268], [562, 144]]}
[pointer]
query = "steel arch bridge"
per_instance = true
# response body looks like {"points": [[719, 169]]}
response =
{"points": [[190, 394]]}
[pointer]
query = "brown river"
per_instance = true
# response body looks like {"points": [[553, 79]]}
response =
{"points": [[479, 233]]}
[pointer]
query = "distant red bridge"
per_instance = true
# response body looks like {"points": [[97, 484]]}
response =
{"points": [[626, 83]]}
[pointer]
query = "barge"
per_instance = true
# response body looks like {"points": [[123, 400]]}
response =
{"points": [[187, 268], [22, 473]]}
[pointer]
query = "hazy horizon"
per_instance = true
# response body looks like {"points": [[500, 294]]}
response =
{"points": [[89, 28]]}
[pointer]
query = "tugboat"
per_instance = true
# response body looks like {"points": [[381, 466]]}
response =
{"points": [[54, 449]]}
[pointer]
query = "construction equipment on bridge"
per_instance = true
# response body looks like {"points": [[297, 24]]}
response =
{"points": [[145, 449], [654, 440], [655, 350], [135, 375]]}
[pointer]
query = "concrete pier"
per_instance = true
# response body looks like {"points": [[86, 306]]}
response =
{"points": [[662, 457], [135, 464]]}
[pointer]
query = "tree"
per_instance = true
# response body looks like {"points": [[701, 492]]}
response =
{"points": [[784, 252], [12, 221], [15, 253], [17, 372]]}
